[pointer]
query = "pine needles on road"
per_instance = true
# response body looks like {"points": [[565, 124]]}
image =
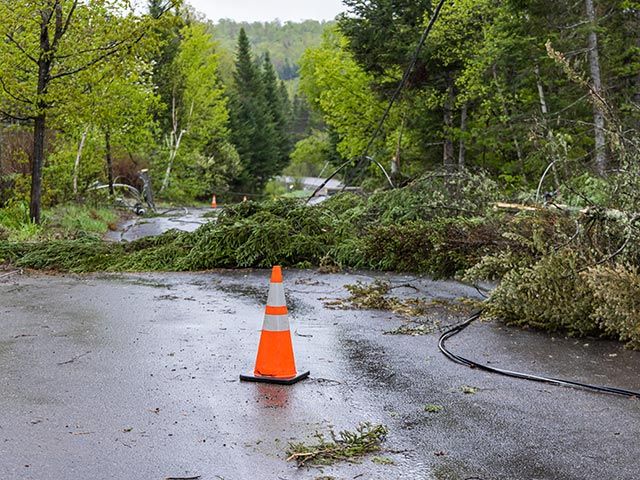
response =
{"points": [[345, 446]]}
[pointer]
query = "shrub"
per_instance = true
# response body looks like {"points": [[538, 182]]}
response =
{"points": [[616, 290], [549, 295]]}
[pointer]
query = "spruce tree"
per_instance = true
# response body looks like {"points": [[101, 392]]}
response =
{"points": [[287, 108], [253, 128], [278, 102], [301, 118]]}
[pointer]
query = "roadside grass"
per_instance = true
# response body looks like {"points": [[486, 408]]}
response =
{"points": [[344, 446], [15, 225], [69, 221]]}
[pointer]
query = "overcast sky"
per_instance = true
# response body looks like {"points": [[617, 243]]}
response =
{"points": [[265, 10]]}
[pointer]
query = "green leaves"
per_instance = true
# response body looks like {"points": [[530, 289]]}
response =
{"points": [[90, 35], [204, 110], [340, 89]]}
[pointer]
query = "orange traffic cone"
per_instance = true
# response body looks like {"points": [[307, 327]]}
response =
{"points": [[214, 204], [275, 362]]}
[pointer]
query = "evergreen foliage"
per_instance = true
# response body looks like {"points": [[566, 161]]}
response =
{"points": [[552, 276], [280, 108], [259, 119]]}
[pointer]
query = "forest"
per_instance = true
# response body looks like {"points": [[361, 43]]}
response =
{"points": [[482, 140]]}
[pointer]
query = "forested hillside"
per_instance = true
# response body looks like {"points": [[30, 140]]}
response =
{"points": [[285, 42]]}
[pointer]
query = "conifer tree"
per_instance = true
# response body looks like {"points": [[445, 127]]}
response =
{"points": [[278, 102], [287, 108], [253, 127]]}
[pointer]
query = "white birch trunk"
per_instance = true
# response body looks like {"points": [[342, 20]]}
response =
{"points": [[174, 141], [76, 165], [594, 70], [174, 145], [543, 101]]}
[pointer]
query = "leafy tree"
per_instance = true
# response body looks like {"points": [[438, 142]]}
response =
{"points": [[167, 80], [484, 84], [311, 156], [383, 35], [340, 89], [199, 116], [45, 46], [118, 109]]}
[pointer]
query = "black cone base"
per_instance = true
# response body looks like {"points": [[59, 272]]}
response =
{"points": [[277, 381]]}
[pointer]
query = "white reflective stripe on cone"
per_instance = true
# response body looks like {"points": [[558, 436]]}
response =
{"points": [[276, 323], [276, 295]]}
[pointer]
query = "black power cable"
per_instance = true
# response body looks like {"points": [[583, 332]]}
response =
{"points": [[525, 376]]}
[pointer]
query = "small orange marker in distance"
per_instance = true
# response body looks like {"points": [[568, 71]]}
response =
{"points": [[214, 204], [275, 362]]}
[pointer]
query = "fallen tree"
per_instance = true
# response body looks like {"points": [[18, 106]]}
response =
{"points": [[572, 270]]}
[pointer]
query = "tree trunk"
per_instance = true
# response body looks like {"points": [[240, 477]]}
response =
{"points": [[173, 143], [594, 70], [507, 122], [447, 150], [39, 131], [543, 101], [76, 165], [36, 167], [174, 146], [463, 128], [107, 143], [39, 126], [395, 161]]}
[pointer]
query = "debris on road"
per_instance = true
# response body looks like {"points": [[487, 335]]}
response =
{"points": [[383, 460], [469, 390], [433, 408], [414, 330], [345, 446], [375, 296], [77, 357]]}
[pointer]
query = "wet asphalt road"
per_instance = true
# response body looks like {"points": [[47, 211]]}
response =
{"points": [[185, 219], [136, 377]]}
